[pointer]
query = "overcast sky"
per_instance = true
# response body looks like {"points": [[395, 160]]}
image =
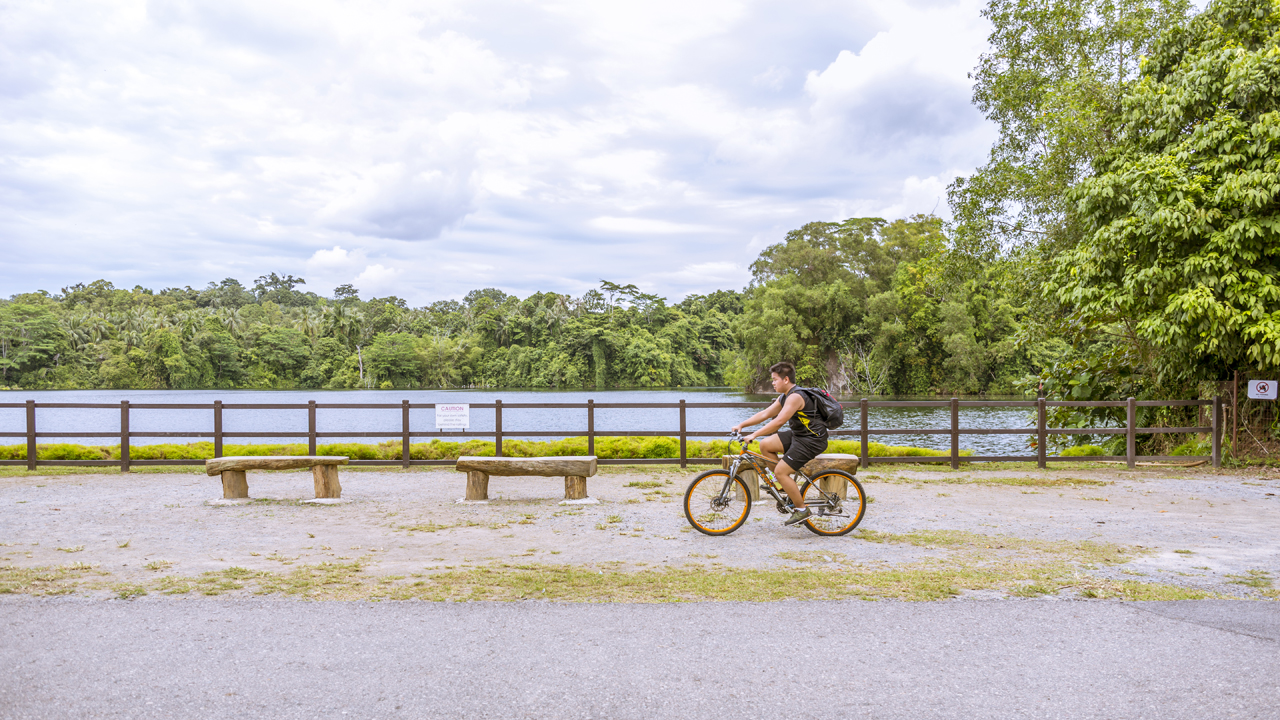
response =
{"points": [[424, 149]]}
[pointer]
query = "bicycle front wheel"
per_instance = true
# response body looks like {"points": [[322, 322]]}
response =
{"points": [[834, 515], [716, 504]]}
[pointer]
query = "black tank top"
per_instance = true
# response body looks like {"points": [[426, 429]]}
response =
{"points": [[805, 422]]}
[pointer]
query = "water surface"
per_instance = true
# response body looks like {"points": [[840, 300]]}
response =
{"points": [[570, 421]]}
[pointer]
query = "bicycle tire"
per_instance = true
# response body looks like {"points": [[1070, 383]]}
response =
{"points": [[854, 506], [703, 496]]}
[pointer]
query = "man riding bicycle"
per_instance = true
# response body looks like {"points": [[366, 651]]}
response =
{"points": [[802, 441]]}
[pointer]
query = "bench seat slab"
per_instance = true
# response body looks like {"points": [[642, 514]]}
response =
{"points": [[215, 466], [578, 465]]}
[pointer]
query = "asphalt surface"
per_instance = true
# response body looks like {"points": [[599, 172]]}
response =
{"points": [[218, 658]]}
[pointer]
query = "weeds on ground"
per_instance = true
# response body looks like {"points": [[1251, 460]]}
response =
{"points": [[1260, 579], [56, 580]]}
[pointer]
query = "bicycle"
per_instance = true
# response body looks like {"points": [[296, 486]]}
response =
{"points": [[717, 501]]}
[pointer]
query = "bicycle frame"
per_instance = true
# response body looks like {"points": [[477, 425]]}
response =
{"points": [[829, 504]]}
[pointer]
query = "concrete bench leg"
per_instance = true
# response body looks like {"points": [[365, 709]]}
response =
{"points": [[477, 485], [835, 484], [327, 485], [575, 487], [235, 484], [752, 480]]}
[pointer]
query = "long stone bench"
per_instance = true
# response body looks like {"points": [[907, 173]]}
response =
{"points": [[575, 469], [235, 483], [825, 461]]}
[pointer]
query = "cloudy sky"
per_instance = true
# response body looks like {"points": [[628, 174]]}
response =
{"points": [[425, 148]]}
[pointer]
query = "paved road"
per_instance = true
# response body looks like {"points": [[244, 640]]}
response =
{"points": [[163, 658]]}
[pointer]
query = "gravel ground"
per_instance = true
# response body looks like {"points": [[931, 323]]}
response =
{"points": [[1202, 529]]}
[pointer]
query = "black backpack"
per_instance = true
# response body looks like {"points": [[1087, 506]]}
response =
{"points": [[829, 409]]}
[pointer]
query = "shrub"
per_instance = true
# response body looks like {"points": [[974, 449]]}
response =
{"points": [[1194, 446], [1082, 451]]}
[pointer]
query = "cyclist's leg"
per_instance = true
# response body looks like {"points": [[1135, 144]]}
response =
{"points": [[799, 452], [771, 446], [783, 472]]}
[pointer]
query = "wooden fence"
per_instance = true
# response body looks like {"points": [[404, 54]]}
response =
{"points": [[855, 413]]}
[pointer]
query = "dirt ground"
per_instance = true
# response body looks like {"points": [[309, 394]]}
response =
{"points": [[1194, 528]]}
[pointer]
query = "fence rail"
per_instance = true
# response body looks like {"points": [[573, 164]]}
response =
{"points": [[405, 432]]}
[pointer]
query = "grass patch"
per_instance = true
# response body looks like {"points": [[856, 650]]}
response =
{"points": [[128, 591], [45, 580], [1260, 579], [432, 526], [931, 579]]}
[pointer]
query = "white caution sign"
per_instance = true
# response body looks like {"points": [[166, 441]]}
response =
{"points": [[1262, 389], [453, 416]]}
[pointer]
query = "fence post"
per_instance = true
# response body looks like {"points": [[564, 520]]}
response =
{"points": [[311, 427], [591, 426], [217, 428], [1042, 434], [865, 460], [497, 428], [31, 434], [124, 436], [1131, 435], [1216, 424], [683, 455], [955, 433], [404, 438]]}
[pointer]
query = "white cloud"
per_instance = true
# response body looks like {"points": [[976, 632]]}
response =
{"points": [[646, 226], [377, 280], [428, 148]]}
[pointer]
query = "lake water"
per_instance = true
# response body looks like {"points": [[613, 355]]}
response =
{"points": [[514, 420]]}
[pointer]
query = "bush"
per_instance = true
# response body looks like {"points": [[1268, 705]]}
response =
{"points": [[1193, 447], [1082, 451]]}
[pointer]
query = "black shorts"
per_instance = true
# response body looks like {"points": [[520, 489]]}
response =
{"points": [[798, 451]]}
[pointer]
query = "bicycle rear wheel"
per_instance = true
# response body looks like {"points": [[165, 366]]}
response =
{"points": [[832, 515], [713, 509]]}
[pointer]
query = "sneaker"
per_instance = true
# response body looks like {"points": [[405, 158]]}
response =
{"points": [[797, 516]]}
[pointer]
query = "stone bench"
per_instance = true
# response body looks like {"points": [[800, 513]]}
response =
{"points": [[825, 461], [575, 469], [235, 484]]}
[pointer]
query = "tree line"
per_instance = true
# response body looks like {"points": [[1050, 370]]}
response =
{"points": [[856, 304]]}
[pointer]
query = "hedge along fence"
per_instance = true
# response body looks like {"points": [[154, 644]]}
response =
{"points": [[632, 446], [611, 448]]}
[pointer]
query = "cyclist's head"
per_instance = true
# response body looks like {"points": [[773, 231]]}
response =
{"points": [[783, 371]]}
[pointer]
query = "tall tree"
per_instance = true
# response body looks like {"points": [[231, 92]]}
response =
{"points": [[1052, 82], [1181, 262]]}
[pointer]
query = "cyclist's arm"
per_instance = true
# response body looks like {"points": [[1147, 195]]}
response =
{"points": [[795, 403], [764, 414]]}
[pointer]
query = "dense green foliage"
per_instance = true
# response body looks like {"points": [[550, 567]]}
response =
{"points": [[1181, 263], [274, 336], [859, 306], [864, 307], [1052, 81]]}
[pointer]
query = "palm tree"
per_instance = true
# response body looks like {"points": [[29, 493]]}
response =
{"points": [[235, 321], [73, 326]]}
